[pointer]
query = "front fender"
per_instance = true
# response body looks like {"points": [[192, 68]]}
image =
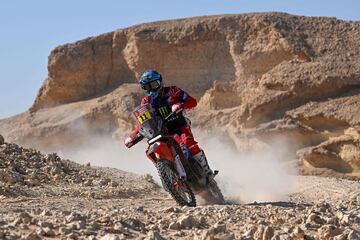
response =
{"points": [[160, 150]]}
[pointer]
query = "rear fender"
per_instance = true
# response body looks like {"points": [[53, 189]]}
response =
{"points": [[160, 150]]}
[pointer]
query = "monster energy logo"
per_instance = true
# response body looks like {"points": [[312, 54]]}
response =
{"points": [[163, 112]]}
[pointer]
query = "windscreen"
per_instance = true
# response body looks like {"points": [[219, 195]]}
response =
{"points": [[149, 123]]}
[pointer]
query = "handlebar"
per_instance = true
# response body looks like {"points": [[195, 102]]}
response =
{"points": [[172, 114], [140, 137], [137, 139]]}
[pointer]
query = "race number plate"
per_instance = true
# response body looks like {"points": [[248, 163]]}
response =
{"points": [[143, 113], [143, 117]]}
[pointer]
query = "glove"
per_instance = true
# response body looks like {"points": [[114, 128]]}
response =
{"points": [[176, 107], [128, 142]]}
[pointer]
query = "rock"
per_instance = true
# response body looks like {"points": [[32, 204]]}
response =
{"points": [[40, 232], [174, 226], [172, 209], [32, 236], [25, 217], [154, 235], [249, 234], [2, 235], [73, 217], [162, 224], [314, 218], [36, 211], [105, 219], [219, 230], [149, 178], [259, 232], [44, 224], [104, 181], [114, 184], [204, 235], [76, 225], [134, 224], [298, 233], [353, 235], [110, 237], [9, 177], [33, 182], [328, 231], [88, 183], [209, 235], [341, 237], [225, 236], [95, 226], [72, 235], [118, 227], [332, 220], [268, 233], [275, 237], [187, 221], [296, 221], [285, 237], [16, 222], [48, 232], [350, 218], [140, 209], [64, 231], [46, 213]]}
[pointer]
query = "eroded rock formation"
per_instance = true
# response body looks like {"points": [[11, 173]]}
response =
{"points": [[258, 77]]}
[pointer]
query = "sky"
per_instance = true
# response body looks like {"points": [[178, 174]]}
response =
{"points": [[31, 29]]}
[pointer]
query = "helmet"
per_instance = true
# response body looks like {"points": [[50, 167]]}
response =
{"points": [[151, 82]]}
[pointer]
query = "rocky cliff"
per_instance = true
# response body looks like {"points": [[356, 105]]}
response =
{"points": [[259, 78]]}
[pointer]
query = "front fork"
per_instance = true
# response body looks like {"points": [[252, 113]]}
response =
{"points": [[179, 167]]}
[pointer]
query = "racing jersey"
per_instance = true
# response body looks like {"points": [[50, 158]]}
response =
{"points": [[162, 105]]}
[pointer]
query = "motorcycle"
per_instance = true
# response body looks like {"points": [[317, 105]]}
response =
{"points": [[181, 176]]}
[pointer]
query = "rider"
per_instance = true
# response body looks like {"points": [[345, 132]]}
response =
{"points": [[166, 100]]}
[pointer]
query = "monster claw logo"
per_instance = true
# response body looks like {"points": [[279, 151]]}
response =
{"points": [[163, 112]]}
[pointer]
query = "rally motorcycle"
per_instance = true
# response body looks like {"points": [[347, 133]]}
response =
{"points": [[181, 176]]}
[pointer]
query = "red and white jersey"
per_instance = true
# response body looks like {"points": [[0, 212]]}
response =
{"points": [[168, 97]]}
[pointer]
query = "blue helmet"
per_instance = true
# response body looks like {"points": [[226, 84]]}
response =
{"points": [[151, 82]]}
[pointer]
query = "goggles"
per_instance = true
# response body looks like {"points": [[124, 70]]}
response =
{"points": [[151, 85]]}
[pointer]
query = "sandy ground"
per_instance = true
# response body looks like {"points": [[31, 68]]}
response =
{"points": [[320, 208], [43, 197]]}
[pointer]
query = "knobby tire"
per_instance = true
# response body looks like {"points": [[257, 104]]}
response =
{"points": [[168, 176]]}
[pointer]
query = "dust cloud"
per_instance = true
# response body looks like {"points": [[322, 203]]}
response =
{"points": [[106, 152], [249, 176], [243, 177]]}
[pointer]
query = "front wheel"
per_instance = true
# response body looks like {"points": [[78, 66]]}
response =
{"points": [[178, 189], [212, 194]]}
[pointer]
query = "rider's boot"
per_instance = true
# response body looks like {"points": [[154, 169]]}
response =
{"points": [[201, 159]]}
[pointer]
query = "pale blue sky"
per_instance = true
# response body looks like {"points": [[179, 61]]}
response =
{"points": [[31, 29]]}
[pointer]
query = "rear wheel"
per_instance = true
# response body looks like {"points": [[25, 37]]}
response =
{"points": [[212, 194], [178, 189]]}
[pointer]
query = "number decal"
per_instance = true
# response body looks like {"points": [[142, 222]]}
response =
{"points": [[144, 117]]}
